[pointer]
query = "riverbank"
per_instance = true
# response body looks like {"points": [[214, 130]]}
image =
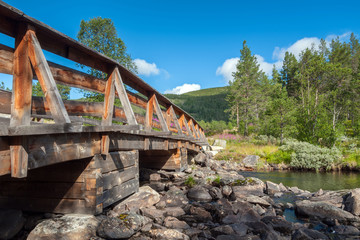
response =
{"points": [[210, 200]]}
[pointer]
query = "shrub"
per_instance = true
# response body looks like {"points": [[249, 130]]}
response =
{"points": [[307, 156], [190, 181], [279, 157]]}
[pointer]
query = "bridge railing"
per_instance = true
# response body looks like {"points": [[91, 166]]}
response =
{"points": [[27, 62]]}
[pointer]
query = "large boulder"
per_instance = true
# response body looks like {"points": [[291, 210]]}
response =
{"points": [[272, 188], [352, 202], [166, 234], [173, 198], [257, 200], [172, 222], [67, 227], [308, 234], [121, 227], [251, 161], [11, 222], [279, 224], [323, 210], [199, 194], [200, 159], [146, 197], [241, 192]]}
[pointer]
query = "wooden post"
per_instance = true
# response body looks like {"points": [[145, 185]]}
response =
{"points": [[153, 103], [175, 120], [46, 80], [20, 102], [119, 85], [108, 112], [183, 121], [191, 124]]}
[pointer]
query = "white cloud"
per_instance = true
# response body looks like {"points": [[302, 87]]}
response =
{"points": [[227, 69], [184, 88], [229, 66], [145, 68]]}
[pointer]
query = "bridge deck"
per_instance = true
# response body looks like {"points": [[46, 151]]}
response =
{"points": [[70, 156]]}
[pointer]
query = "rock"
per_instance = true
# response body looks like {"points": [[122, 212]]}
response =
{"points": [[307, 234], [278, 194], [279, 224], [323, 210], [240, 229], [157, 186], [226, 190], [155, 177], [200, 159], [272, 188], [146, 197], [319, 193], [188, 170], [265, 231], [155, 214], [282, 187], [259, 209], [166, 234], [171, 222], [71, 226], [215, 193], [241, 192], [200, 214], [173, 198], [174, 211], [220, 143], [243, 215], [257, 200], [347, 230], [295, 190], [199, 194], [250, 161], [192, 232], [352, 202], [123, 226], [222, 230], [11, 222]]}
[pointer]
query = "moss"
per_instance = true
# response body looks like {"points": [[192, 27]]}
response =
{"points": [[190, 182]]}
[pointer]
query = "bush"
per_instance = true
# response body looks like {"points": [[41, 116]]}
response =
{"points": [[190, 181], [279, 157], [307, 156]]}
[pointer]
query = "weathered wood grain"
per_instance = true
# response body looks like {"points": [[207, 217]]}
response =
{"points": [[119, 192]]}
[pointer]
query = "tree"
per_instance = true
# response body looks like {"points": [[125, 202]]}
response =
{"points": [[245, 87], [63, 90], [288, 74], [100, 34]]}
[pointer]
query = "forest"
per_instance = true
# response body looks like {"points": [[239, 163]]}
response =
{"points": [[313, 98]]}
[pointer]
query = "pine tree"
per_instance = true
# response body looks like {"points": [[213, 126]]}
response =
{"points": [[288, 74], [245, 87]]}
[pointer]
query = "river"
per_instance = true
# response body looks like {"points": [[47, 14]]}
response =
{"points": [[311, 181]]}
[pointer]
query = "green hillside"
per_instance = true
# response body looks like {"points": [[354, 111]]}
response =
{"points": [[206, 104]]}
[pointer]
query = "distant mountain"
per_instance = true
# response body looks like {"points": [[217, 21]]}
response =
{"points": [[206, 104]]}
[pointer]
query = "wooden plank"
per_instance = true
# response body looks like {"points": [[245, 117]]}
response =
{"points": [[175, 120], [116, 160], [126, 142], [118, 177], [160, 115], [20, 102], [123, 98], [5, 160], [43, 190], [47, 205], [149, 113], [46, 80], [51, 149], [108, 112], [120, 192]]}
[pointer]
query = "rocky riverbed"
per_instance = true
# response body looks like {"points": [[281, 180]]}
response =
{"points": [[209, 200]]}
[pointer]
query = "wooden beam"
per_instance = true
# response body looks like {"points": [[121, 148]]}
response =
{"points": [[191, 124], [188, 130], [160, 115], [46, 80], [131, 120], [108, 111], [21, 102], [149, 113], [175, 120]]}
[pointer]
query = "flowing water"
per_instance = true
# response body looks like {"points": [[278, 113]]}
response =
{"points": [[311, 181]]}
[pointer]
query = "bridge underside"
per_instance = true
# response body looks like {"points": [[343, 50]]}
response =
{"points": [[68, 174]]}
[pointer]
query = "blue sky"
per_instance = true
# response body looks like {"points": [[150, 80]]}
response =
{"points": [[198, 42]]}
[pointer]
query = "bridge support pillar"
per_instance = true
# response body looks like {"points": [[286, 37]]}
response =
{"points": [[175, 159]]}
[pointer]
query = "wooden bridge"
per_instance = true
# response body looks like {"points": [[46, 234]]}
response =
{"points": [[70, 156]]}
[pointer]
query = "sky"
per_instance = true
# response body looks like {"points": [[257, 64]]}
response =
{"points": [[181, 46]]}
